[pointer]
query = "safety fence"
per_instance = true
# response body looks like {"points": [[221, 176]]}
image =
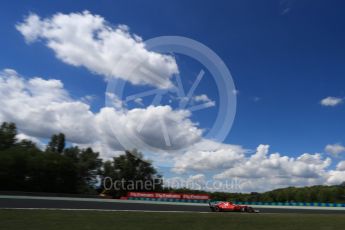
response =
{"points": [[312, 204]]}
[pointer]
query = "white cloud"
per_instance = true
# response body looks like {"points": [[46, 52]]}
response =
{"points": [[114, 101], [198, 102], [335, 149], [88, 99], [22, 136], [202, 98], [198, 177], [32, 28], [43, 107], [261, 165], [261, 171], [331, 101], [208, 155], [341, 166], [181, 131], [336, 177], [84, 39]]}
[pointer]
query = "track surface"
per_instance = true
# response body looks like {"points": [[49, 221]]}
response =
{"points": [[63, 203]]}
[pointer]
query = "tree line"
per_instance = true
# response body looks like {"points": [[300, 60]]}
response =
{"points": [[318, 193], [60, 169]]}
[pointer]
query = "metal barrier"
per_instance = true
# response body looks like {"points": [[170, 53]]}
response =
{"points": [[311, 204]]}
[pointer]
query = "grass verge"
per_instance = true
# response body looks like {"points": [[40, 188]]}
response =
{"points": [[80, 220]]}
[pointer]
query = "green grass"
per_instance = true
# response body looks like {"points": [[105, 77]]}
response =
{"points": [[77, 220]]}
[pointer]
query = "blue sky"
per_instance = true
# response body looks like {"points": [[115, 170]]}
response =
{"points": [[284, 57]]}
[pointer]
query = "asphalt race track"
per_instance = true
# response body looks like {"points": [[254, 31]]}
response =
{"points": [[21, 202]]}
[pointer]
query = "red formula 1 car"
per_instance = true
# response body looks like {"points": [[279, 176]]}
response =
{"points": [[225, 206]]}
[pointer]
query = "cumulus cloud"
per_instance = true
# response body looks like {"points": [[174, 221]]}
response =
{"points": [[264, 165], [341, 166], [265, 171], [208, 155], [205, 100], [88, 40], [42, 107], [202, 98], [88, 99], [335, 177], [138, 128], [261, 171], [335, 149], [331, 101], [37, 141]]}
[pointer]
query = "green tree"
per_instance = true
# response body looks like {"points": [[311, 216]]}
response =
{"points": [[8, 132], [87, 164], [131, 169], [56, 144], [15, 165], [24, 167], [88, 167]]}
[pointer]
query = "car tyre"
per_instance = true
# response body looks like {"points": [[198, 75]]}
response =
{"points": [[250, 209]]}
